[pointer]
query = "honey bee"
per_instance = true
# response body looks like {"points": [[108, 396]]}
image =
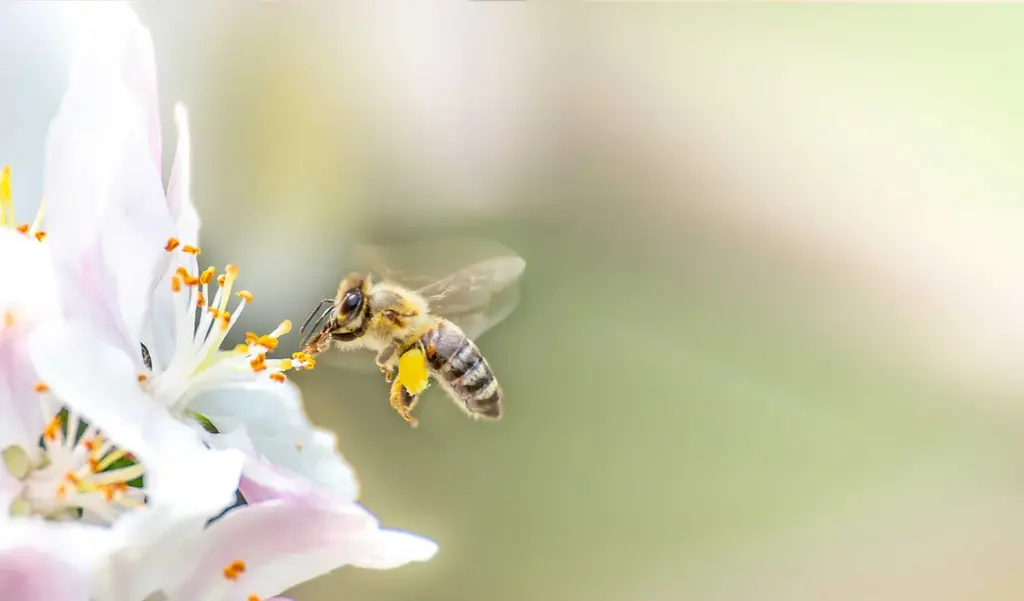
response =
{"points": [[423, 327]]}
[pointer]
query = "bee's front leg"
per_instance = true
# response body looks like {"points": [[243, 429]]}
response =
{"points": [[382, 361]]}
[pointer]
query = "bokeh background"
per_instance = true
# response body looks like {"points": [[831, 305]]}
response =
{"points": [[772, 327]]}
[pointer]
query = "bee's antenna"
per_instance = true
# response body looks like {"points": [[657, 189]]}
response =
{"points": [[313, 312]]}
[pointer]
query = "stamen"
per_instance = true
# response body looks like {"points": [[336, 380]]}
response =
{"points": [[192, 250], [40, 236], [143, 377], [207, 275], [175, 284], [259, 363], [234, 569], [52, 429], [172, 243], [278, 377], [200, 300], [281, 330], [22, 229], [41, 387], [254, 598], [244, 295], [6, 205]]}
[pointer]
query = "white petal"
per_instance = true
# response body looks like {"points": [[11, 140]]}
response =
{"points": [[99, 382], [29, 292], [179, 186], [21, 420], [279, 430], [31, 575], [103, 173], [284, 543]]}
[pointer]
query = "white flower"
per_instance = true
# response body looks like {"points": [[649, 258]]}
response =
{"points": [[138, 283], [85, 491]]}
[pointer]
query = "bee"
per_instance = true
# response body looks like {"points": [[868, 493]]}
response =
{"points": [[420, 326]]}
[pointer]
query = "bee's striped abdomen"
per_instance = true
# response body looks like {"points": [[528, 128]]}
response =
{"points": [[457, 362]]}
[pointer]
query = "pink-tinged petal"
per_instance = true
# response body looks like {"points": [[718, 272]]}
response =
{"points": [[99, 382], [30, 575], [264, 481], [286, 542], [279, 430], [101, 177], [27, 299]]}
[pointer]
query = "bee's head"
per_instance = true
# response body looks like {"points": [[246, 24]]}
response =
{"points": [[350, 307]]}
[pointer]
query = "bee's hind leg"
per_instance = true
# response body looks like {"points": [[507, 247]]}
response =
{"points": [[402, 401]]}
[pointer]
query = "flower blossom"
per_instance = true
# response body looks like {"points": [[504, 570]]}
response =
{"points": [[83, 494], [111, 361], [145, 294]]}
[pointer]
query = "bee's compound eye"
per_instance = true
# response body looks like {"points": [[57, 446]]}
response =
{"points": [[351, 302]]}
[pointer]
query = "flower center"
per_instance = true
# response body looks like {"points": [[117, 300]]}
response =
{"points": [[7, 217], [75, 472], [202, 323]]}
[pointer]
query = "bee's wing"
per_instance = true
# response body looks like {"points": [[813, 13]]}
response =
{"points": [[479, 296]]}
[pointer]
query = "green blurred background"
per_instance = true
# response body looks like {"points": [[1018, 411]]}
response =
{"points": [[771, 333]]}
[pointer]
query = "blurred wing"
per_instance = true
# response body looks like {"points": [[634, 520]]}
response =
{"points": [[478, 297]]}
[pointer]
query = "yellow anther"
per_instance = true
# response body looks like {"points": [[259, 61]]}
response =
{"points": [[242, 348], [220, 280], [143, 377], [172, 243], [41, 387], [176, 284], [232, 271], [6, 205], [278, 377], [52, 429], [234, 569], [207, 276], [225, 320], [192, 250], [40, 236], [200, 300], [259, 363], [22, 229], [244, 295]]}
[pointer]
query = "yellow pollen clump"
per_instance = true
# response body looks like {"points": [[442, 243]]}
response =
{"points": [[192, 250], [172, 243], [278, 377], [52, 429], [220, 280], [22, 229], [41, 387], [143, 377], [253, 598], [40, 236], [207, 276], [412, 371], [234, 569], [176, 284], [244, 295], [200, 299], [225, 320]]}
